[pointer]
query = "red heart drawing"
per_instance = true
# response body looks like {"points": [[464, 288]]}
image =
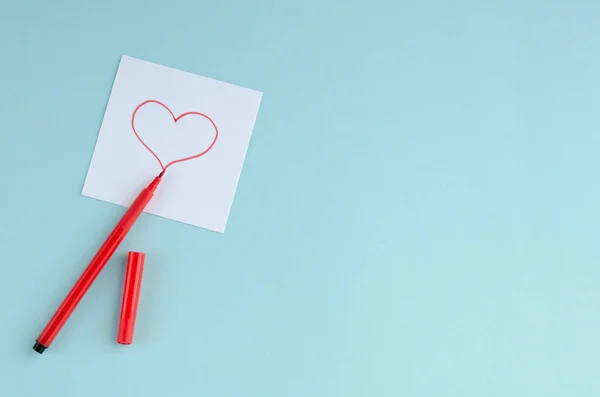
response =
{"points": [[175, 119]]}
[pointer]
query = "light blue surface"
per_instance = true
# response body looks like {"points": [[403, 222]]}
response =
{"points": [[418, 213]]}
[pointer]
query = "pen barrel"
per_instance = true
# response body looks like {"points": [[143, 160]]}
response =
{"points": [[84, 282], [94, 268]]}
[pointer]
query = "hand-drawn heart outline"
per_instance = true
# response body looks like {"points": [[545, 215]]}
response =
{"points": [[175, 119]]}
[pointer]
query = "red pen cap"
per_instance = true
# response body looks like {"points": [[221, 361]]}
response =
{"points": [[131, 295]]}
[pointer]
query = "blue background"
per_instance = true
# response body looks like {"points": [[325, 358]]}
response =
{"points": [[418, 214]]}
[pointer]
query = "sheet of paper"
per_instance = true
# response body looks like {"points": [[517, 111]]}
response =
{"points": [[176, 115]]}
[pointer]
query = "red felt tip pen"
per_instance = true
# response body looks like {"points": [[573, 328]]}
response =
{"points": [[95, 267]]}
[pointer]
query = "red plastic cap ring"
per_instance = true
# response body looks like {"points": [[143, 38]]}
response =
{"points": [[131, 295]]}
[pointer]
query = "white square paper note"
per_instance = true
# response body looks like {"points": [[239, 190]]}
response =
{"points": [[158, 115]]}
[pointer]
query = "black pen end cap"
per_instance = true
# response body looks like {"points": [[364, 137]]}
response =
{"points": [[38, 347]]}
